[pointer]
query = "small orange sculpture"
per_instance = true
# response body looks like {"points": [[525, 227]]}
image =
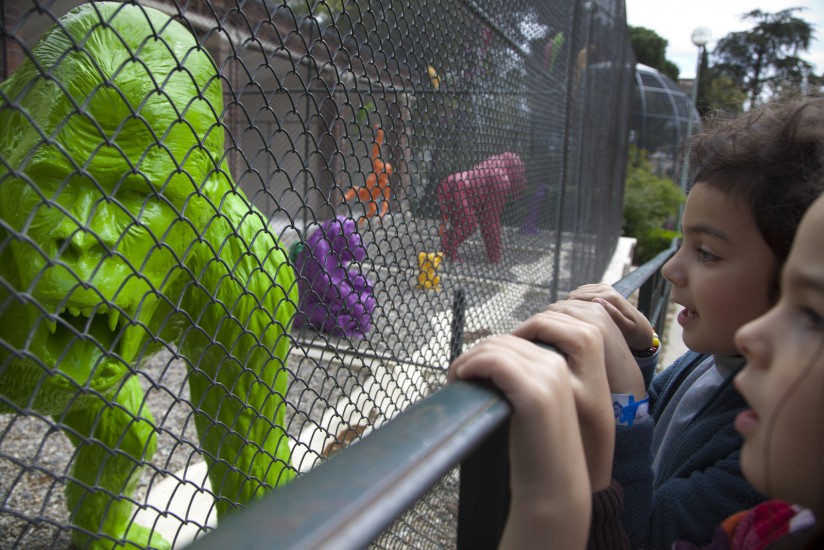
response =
{"points": [[377, 183]]}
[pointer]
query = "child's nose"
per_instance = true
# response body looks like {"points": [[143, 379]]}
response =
{"points": [[759, 339], [672, 271]]}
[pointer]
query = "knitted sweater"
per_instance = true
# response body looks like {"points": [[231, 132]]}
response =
{"points": [[605, 530], [771, 525], [700, 483]]}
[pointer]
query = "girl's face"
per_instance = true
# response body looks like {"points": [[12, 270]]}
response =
{"points": [[783, 381], [723, 272]]}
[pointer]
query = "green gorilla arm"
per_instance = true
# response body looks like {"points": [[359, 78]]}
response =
{"points": [[121, 232], [246, 433]]}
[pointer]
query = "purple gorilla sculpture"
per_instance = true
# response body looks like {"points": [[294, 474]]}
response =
{"points": [[333, 298]]}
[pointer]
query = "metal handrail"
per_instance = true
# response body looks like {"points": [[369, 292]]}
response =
{"points": [[343, 504]]}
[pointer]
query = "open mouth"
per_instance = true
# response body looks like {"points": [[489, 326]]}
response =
{"points": [[687, 315], [89, 343], [76, 348], [686, 312], [100, 323]]}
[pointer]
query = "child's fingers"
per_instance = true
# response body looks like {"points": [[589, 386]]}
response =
{"points": [[621, 368], [635, 327], [608, 294], [613, 311], [589, 292], [569, 330], [476, 362], [588, 289], [501, 359], [590, 313], [525, 373], [585, 347], [617, 316], [588, 379]]}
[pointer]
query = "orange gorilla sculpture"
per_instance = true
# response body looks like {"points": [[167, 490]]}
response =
{"points": [[377, 183]]}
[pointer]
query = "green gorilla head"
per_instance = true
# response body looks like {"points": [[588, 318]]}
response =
{"points": [[121, 228]]}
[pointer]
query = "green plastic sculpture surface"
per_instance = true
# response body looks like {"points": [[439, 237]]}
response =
{"points": [[122, 233]]}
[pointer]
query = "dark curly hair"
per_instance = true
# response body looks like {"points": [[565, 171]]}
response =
{"points": [[771, 158]]}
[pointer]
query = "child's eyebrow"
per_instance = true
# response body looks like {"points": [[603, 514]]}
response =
{"points": [[708, 230], [801, 280]]}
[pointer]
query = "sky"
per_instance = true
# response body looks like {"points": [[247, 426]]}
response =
{"points": [[675, 20]]}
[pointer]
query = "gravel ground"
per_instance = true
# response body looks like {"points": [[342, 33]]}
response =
{"points": [[34, 457]]}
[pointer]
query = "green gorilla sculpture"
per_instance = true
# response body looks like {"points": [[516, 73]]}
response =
{"points": [[121, 233]]}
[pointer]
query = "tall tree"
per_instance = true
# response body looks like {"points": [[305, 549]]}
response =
{"points": [[650, 49], [702, 102], [722, 95], [764, 61], [716, 91]]}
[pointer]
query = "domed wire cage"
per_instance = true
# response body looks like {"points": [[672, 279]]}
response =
{"points": [[660, 117]]}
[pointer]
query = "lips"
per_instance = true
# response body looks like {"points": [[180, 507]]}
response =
{"points": [[746, 422], [686, 315]]}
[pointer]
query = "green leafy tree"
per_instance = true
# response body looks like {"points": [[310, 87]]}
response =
{"points": [[764, 61], [650, 203], [717, 92], [650, 49], [722, 95]]}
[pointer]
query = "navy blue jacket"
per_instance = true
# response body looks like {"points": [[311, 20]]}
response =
{"points": [[701, 483]]}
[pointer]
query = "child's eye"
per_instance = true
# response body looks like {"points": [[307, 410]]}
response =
{"points": [[705, 256], [815, 319]]}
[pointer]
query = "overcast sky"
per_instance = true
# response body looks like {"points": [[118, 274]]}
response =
{"points": [[676, 19]]}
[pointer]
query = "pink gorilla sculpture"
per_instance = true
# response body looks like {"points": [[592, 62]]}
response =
{"points": [[477, 197]]}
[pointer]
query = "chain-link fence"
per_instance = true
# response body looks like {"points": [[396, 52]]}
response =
{"points": [[232, 233]]}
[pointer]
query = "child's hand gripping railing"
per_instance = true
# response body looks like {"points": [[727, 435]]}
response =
{"points": [[350, 499]]}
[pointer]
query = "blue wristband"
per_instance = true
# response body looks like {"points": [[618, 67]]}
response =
{"points": [[627, 409]]}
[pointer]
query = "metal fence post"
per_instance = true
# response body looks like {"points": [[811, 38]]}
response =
{"points": [[484, 493]]}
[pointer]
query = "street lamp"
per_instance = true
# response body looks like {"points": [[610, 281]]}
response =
{"points": [[700, 37]]}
